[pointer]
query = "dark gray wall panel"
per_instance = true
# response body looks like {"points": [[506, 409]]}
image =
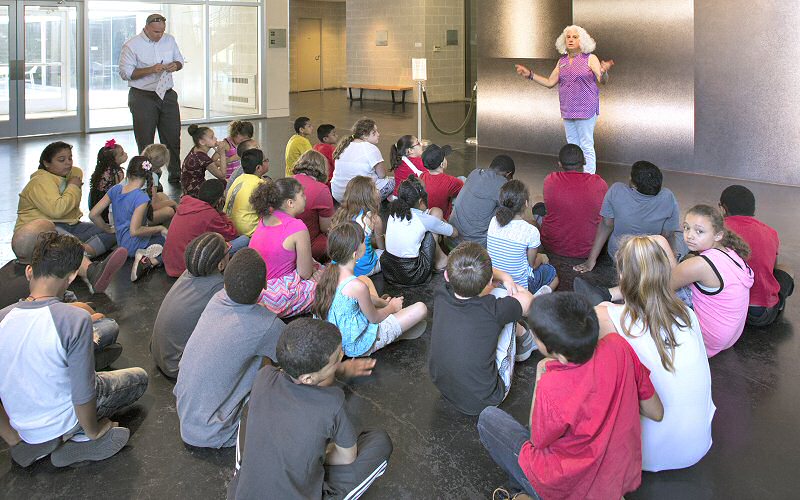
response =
{"points": [[746, 89]]}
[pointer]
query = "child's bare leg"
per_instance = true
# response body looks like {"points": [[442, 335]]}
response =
{"points": [[440, 260], [411, 315], [8, 433], [554, 284], [161, 200], [163, 215]]}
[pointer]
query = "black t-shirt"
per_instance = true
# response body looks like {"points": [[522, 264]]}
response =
{"points": [[463, 344], [288, 428], [15, 286]]}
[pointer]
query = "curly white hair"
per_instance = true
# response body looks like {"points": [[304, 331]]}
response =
{"points": [[587, 42]]}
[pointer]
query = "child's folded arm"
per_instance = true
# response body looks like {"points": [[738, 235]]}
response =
{"points": [[652, 408]]}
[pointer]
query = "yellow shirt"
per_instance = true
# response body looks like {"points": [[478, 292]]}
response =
{"points": [[237, 204], [48, 196], [295, 148]]}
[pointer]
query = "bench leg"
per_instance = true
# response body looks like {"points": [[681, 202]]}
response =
{"points": [[404, 97], [393, 101], [350, 92]]}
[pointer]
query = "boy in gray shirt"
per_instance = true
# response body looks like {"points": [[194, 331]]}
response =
{"points": [[479, 198], [233, 338], [641, 208]]}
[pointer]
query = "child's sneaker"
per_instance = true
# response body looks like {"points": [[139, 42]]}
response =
{"points": [[99, 274], [544, 290], [107, 446], [525, 344], [144, 260], [24, 454]]}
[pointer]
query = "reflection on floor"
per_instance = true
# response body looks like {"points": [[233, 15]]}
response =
{"points": [[437, 453]]}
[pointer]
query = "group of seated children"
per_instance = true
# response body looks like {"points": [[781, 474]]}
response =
{"points": [[248, 252]]}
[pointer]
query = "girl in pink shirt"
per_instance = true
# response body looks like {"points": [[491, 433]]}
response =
{"points": [[285, 245]]}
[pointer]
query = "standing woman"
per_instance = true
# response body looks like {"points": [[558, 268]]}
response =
{"points": [[577, 74]]}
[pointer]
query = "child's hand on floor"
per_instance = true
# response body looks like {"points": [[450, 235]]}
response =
{"points": [[356, 367]]}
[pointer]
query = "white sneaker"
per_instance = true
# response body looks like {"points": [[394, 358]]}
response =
{"points": [[144, 260], [544, 290]]}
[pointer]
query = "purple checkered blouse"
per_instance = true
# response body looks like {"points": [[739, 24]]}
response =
{"points": [[578, 92]]}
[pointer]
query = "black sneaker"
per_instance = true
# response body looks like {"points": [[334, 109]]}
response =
{"points": [[107, 446], [144, 260], [99, 274], [595, 294], [24, 454]]}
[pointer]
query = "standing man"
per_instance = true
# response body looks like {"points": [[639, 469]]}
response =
{"points": [[147, 62]]}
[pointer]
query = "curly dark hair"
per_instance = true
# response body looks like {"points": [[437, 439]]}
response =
{"points": [[271, 195]]}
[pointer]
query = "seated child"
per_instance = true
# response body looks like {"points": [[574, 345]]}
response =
{"points": [[237, 198], [412, 250], [358, 154], [158, 155], [366, 321], [478, 200], [310, 170], [476, 337], [107, 172], [227, 347], [405, 159], [298, 440], [130, 205], [53, 402], [361, 203], [585, 435], [197, 162], [642, 207], [298, 143], [16, 286], [774, 281], [326, 133], [442, 188], [194, 217], [572, 200], [243, 146], [238, 132], [284, 243], [666, 336], [514, 243], [205, 259]]}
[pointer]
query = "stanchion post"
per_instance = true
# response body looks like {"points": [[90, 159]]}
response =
{"points": [[419, 73], [473, 141]]}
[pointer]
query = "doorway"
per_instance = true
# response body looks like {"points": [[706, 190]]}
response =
{"points": [[309, 49], [40, 77]]}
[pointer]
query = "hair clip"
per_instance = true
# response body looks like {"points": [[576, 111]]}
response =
{"points": [[111, 143], [147, 165]]}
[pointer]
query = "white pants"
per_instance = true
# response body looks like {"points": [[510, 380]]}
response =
{"points": [[581, 132]]}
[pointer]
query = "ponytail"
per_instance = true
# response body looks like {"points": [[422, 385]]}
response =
{"points": [[399, 150], [361, 128], [729, 238], [139, 167], [106, 162], [513, 197], [343, 242], [409, 194]]}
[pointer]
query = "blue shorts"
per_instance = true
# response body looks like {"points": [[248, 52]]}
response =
{"points": [[541, 276]]}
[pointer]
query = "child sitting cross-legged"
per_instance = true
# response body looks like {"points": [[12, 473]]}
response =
{"points": [[53, 402], [367, 322], [297, 440], [514, 243], [585, 436], [476, 338]]}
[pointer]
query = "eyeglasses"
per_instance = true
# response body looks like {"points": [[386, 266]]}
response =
{"points": [[417, 144], [157, 20]]}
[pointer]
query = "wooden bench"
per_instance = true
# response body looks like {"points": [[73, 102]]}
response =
{"points": [[390, 88]]}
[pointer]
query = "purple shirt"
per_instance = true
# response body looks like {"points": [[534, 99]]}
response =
{"points": [[577, 88]]}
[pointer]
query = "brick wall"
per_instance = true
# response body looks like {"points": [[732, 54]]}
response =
{"points": [[333, 40]]}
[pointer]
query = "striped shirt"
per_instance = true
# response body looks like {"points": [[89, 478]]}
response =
{"points": [[578, 92], [508, 247]]}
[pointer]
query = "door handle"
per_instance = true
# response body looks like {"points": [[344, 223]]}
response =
{"points": [[316, 58]]}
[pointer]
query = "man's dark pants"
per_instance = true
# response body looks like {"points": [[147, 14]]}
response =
{"points": [[150, 114]]}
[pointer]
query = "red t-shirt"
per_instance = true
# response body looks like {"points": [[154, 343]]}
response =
{"points": [[403, 171], [442, 189], [764, 247], [586, 437], [327, 150], [573, 201], [192, 218], [319, 203]]}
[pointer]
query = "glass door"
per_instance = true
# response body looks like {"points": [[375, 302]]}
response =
{"points": [[44, 78]]}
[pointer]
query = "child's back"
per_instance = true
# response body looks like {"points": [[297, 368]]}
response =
{"points": [[585, 428]]}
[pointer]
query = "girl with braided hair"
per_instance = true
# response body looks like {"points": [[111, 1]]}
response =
{"points": [[205, 258], [132, 214]]}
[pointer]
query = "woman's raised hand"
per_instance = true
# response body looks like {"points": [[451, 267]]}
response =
{"points": [[523, 71]]}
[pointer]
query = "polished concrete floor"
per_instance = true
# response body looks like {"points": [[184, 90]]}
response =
{"points": [[436, 449]]}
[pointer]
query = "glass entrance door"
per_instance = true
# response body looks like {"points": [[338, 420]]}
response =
{"points": [[44, 77]]}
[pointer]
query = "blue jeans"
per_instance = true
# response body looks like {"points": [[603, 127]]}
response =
{"points": [[119, 388], [503, 437], [541, 276], [581, 132], [237, 244], [106, 331], [100, 241]]}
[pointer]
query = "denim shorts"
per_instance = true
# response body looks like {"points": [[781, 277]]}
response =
{"points": [[541, 276]]}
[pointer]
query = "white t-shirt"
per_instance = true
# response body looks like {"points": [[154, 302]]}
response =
{"points": [[683, 437], [359, 158], [404, 237]]}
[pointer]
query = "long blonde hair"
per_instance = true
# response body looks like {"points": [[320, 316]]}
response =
{"points": [[644, 282]]}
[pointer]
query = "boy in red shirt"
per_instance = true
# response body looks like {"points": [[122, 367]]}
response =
{"points": [[773, 281], [442, 188], [326, 133], [585, 439], [572, 200]]}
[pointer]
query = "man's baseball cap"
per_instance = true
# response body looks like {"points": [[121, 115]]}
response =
{"points": [[156, 18], [433, 156]]}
